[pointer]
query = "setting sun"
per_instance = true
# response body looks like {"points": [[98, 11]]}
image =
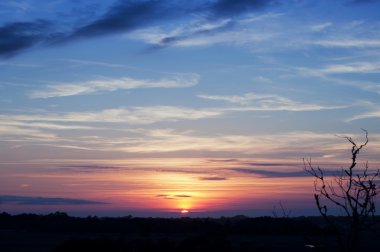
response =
{"points": [[184, 211]]}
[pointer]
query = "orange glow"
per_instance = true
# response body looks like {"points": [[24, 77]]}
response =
{"points": [[164, 185]]}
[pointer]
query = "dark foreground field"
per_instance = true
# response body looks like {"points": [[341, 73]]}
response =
{"points": [[59, 232]]}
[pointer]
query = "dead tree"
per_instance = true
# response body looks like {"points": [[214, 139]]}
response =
{"points": [[284, 212], [352, 190]]}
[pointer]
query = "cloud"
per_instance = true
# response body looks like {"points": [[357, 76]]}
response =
{"points": [[93, 86], [129, 15], [78, 62], [359, 35], [121, 17], [182, 196], [222, 8], [16, 5], [203, 32], [169, 196], [91, 168], [294, 144], [213, 178], [23, 65], [341, 74], [244, 99], [18, 36], [21, 124], [224, 160], [26, 200], [370, 114], [15, 133], [132, 165], [142, 115], [15, 129], [162, 195], [320, 27], [143, 142], [362, 1], [181, 36], [339, 69], [348, 43], [161, 140], [278, 174], [366, 85], [261, 32], [266, 164], [132, 115], [268, 102], [357, 67], [196, 23]]}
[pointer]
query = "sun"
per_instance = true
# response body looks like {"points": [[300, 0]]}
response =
{"points": [[184, 211]]}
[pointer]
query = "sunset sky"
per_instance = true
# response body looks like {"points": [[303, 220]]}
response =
{"points": [[153, 107]]}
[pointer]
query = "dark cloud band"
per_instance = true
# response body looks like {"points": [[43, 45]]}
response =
{"points": [[25, 200], [17, 36], [279, 174], [122, 16], [213, 178]]}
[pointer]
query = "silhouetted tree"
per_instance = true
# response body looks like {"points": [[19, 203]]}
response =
{"points": [[352, 190], [284, 213]]}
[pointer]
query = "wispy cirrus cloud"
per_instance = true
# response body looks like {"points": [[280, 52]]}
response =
{"points": [[121, 17], [222, 21], [194, 34], [80, 62], [341, 69], [16, 133], [8, 121], [249, 102], [131, 115], [261, 30], [349, 43], [244, 99], [320, 27], [355, 67], [292, 143], [268, 102], [288, 145], [16, 129], [104, 84], [139, 115], [367, 85], [372, 113], [204, 32], [124, 16]]}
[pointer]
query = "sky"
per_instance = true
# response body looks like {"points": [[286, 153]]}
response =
{"points": [[149, 107]]}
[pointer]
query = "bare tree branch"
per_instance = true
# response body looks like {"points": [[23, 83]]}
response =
{"points": [[353, 191]]}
